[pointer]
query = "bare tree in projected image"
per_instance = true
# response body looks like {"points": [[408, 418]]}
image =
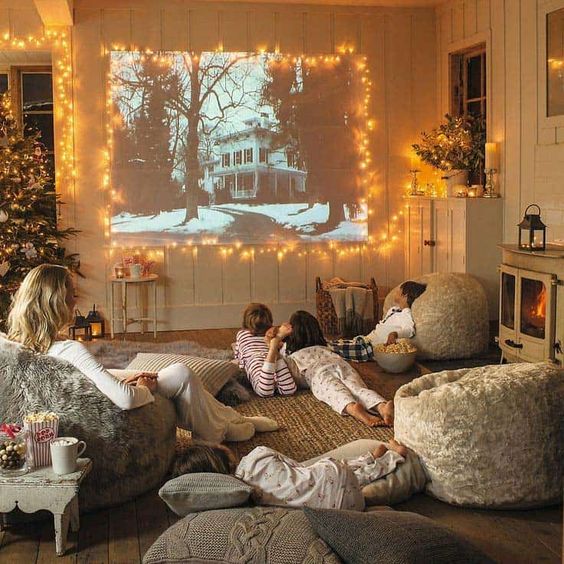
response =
{"points": [[143, 148], [320, 114], [206, 77]]}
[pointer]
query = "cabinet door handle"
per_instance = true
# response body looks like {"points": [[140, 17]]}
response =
{"points": [[513, 345], [429, 243]]}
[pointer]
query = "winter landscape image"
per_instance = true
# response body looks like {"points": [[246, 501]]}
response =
{"points": [[247, 147]]}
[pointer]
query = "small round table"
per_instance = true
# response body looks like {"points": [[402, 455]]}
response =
{"points": [[151, 280]]}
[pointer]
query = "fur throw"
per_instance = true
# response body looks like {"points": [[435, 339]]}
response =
{"points": [[131, 451], [451, 317]]}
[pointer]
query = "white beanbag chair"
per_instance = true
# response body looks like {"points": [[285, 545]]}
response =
{"points": [[451, 317], [487, 437], [408, 478]]}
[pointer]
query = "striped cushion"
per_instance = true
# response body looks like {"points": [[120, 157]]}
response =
{"points": [[214, 374]]}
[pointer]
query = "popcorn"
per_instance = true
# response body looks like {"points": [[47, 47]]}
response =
{"points": [[41, 417], [403, 346], [41, 428]]}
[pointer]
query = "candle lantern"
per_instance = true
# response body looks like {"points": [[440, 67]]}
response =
{"points": [[532, 231], [96, 322], [80, 330]]}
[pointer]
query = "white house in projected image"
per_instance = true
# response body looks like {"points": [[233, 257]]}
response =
{"points": [[246, 167]]}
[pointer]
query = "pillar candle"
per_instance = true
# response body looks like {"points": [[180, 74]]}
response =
{"points": [[415, 162], [491, 156]]}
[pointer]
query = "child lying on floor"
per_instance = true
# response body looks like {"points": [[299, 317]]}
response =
{"points": [[397, 324], [278, 480], [261, 361], [330, 378]]}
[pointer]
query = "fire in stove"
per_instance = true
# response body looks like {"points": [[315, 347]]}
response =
{"points": [[533, 308]]}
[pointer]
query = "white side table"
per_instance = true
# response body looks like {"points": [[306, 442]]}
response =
{"points": [[138, 283], [43, 489]]}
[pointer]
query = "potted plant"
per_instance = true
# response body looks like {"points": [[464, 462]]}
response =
{"points": [[456, 147]]}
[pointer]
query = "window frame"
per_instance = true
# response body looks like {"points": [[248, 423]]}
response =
{"points": [[459, 65], [238, 157], [15, 84], [248, 156], [263, 155]]}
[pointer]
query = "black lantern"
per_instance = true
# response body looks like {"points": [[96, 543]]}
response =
{"points": [[80, 330], [532, 231], [96, 323]]}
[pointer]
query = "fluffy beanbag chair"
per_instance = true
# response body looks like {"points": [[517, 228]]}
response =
{"points": [[451, 317], [487, 437], [131, 451]]}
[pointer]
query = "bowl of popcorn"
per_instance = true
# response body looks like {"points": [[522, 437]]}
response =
{"points": [[395, 358]]}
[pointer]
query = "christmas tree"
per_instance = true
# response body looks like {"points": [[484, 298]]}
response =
{"points": [[28, 225]]}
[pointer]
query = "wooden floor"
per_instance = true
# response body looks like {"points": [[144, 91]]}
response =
{"points": [[123, 534]]}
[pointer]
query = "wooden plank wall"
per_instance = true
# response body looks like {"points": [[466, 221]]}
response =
{"points": [[532, 155], [200, 287]]}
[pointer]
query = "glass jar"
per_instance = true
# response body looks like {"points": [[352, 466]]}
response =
{"points": [[12, 451]]}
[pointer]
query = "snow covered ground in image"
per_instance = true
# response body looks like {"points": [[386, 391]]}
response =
{"points": [[209, 221], [299, 220]]}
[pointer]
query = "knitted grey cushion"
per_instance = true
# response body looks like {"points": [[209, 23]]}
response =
{"points": [[258, 535], [394, 537], [201, 491]]}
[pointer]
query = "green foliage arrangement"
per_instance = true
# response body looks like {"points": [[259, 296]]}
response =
{"points": [[457, 144]]}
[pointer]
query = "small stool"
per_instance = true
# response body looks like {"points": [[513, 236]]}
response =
{"points": [[43, 489], [151, 280]]}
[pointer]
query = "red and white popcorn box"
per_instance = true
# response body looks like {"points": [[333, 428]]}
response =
{"points": [[41, 429]]}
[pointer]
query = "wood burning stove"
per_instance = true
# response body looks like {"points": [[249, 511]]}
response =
{"points": [[530, 325]]}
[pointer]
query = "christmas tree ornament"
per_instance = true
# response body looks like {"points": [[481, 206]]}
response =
{"points": [[4, 267], [3, 216]]}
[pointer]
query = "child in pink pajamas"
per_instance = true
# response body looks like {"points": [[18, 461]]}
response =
{"points": [[266, 370]]}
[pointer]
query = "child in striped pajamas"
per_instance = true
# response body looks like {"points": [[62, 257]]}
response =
{"points": [[266, 370]]}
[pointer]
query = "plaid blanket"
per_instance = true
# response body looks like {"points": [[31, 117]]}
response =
{"points": [[358, 349]]}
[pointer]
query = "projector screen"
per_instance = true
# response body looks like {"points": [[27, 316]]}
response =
{"points": [[237, 147]]}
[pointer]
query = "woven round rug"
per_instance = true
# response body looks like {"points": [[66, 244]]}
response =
{"points": [[308, 427]]}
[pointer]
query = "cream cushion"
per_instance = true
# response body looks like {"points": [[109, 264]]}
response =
{"points": [[487, 437], [408, 478], [451, 317], [214, 374]]}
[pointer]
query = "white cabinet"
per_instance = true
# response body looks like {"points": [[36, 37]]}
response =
{"points": [[455, 235]]}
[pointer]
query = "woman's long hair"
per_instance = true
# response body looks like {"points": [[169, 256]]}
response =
{"points": [[306, 332], [39, 309]]}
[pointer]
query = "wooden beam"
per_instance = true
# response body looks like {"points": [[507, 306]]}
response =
{"points": [[55, 12]]}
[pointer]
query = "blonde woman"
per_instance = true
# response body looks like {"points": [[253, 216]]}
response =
{"points": [[43, 307]]}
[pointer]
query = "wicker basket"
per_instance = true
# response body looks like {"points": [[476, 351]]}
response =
{"points": [[326, 314]]}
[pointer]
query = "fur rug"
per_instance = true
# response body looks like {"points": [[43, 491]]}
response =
{"points": [[131, 450], [118, 354]]}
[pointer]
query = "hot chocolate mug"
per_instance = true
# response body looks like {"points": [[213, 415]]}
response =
{"points": [[64, 452]]}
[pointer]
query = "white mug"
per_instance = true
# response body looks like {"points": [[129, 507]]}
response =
{"points": [[64, 452]]}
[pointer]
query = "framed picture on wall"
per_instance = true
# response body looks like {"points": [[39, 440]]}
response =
{"points": [[551, 63]]}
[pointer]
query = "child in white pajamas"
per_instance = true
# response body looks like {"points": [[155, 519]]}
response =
{"points": [[278, 480], [266, 370], [331, 379]]}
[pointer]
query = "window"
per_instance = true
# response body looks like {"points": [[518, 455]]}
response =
{"points": [[3, 82], [291, 160], [36, 103], [468, 82], [248, 156], [263, 155], [237, 157], [226, 160]]}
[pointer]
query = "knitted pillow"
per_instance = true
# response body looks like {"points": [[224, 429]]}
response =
{"points": [[258, 535], [190, 493], [394, 537], [214, 374]]}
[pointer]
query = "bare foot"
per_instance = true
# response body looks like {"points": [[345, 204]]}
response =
{"points": [[400, 449], [358, 411], [386, 411], [380, 450]]}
